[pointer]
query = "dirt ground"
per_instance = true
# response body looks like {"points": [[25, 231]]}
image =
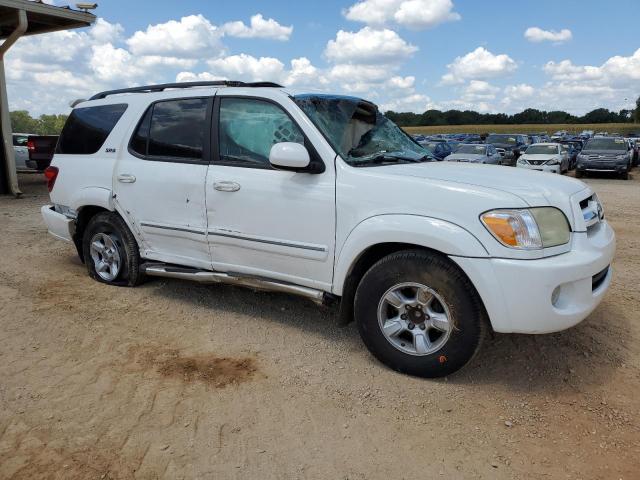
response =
{"points": [[178, 380]]}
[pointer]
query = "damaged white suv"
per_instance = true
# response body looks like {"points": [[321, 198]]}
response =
{"points": [[322, 196]]}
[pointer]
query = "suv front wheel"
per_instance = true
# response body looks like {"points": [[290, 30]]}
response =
{"points": [[110, 251], [419, 314]]}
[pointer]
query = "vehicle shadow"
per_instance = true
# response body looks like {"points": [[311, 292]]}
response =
{"points": [[263, 306], [589, 353]]}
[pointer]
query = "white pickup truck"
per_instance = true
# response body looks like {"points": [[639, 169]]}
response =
{"points": [[322, 196]]}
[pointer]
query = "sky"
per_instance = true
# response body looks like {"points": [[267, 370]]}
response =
{"points": [[404, 55]]}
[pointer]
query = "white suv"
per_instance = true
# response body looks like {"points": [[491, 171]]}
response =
{"points": [[322, 196]]}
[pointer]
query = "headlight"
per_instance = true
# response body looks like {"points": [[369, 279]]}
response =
{"points": [[621, 157], [521, 161], [553, 161], [528, 229]]}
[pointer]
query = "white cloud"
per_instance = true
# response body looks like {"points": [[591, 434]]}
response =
{"points": [[103, 31], [479, 64], [415, 14], [193, 36], [537, 35], [259, 28], [368, 46], [248, 68]]}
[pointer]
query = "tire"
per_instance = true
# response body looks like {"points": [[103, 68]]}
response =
{"points": [[579, 174], [624, 176], [453, 298], [108, 231]]}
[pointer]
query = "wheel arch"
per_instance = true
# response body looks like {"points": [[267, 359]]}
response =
{"points": [[393, 234]]}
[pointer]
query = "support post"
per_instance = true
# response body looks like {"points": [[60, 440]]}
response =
{"points": [[8, 176]]}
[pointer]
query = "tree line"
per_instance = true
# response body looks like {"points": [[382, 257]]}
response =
{"points": [[528, 116], [22, 122]]}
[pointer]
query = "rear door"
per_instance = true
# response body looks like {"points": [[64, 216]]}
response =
{"points": [[159, 180], [262, 221]]}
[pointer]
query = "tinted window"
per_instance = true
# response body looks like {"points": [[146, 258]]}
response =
{"points": [[87, 128], [140, 138], [178, 129], [606, 144], [249, 128], [19, 140]]}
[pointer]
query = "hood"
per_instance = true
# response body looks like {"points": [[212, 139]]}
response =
{"points": [[472, 157], [534, 188]]}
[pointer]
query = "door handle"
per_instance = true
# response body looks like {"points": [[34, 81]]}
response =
{"points": [[226, 186], [126, 178]]}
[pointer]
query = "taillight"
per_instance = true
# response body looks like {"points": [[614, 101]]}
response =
{"points": [[31, 145], [51, 173]]}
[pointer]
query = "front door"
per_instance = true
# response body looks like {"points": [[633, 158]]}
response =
{"points": [[266, 222], [159, 181]]}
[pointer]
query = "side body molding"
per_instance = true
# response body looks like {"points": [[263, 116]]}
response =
{"points": [[440, 235]]}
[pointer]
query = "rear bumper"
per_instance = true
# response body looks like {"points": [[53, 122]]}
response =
{"points": [[549, 294], [58, 225]]}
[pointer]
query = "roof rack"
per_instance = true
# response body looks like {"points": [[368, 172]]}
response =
{"points": [[164, 86]]}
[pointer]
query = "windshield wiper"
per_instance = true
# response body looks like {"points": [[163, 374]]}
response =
{"points": [[383, 158]]}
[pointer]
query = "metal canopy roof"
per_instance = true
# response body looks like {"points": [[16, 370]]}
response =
{"points": [[42, 18]]}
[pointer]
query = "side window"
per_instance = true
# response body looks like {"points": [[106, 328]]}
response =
{"points": [[248, 128], [172, 129], [19, 141], [87, 128]]}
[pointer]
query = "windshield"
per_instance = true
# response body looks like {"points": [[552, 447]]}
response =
{"points": [[20, 140], [542, 150], [606, 144], [357, 130], [511, 139], [475, 149]]}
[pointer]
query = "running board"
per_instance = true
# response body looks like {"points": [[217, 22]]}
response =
{"points": [[207, 276]]}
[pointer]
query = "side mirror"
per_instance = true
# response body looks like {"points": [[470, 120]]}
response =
{"points": [[289, 156]]}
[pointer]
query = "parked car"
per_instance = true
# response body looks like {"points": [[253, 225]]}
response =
{"points": [[41, 148], [605, 154], [440, 150], [20, 150], [510, 145], [322, 196], [573, 147], [474, 153], [546, 157]]}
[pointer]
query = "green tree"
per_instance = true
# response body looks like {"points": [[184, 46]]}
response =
{"points": [[22, 122], [637, 112]]}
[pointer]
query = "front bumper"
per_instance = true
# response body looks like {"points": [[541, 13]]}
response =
{"points": [[549, 294], [59, 225], [602, 167], [541, 168]]}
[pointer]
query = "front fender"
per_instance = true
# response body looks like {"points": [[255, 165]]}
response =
{"points": [[433, 233]]}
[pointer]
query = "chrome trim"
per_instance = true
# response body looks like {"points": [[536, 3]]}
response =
{"points": [[206, 276], [177, 229], [269, 242]]}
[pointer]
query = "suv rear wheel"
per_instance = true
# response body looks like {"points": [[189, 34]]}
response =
{"points": [[419, 314], [110, 251]]}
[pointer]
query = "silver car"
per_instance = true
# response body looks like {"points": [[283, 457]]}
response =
{"points": [[475, 153], [21, 150], [546, 157]]}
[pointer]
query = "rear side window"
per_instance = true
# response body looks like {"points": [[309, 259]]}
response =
{"points": [[173, 129], [87, 128]]}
